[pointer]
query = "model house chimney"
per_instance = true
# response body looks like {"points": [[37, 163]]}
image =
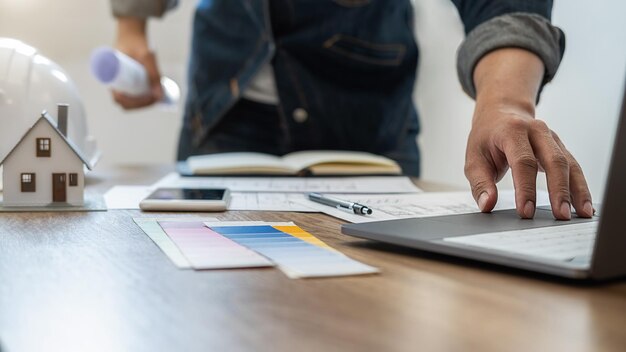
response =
{"points": [[62, 118]]}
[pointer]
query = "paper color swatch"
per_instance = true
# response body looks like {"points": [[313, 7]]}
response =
{"points": [[205, 243], [151, 227], [206, 249], [298, 254]]}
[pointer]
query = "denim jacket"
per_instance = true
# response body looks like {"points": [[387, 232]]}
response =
{"points": [[344, 69]]}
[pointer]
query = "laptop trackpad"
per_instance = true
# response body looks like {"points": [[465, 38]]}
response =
{"points": [[505, 220], [434, 228]]}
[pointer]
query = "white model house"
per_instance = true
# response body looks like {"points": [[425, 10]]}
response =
{"points": [[44, 167]]}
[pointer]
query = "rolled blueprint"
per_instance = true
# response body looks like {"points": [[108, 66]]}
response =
{"points": [[122, 73]]}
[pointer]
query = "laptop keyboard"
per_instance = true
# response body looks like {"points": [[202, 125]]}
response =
{"points": [[571, 243]]}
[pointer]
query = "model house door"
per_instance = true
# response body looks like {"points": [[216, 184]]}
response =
{"points": [[58, 188]]}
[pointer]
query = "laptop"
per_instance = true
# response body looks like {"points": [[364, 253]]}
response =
{"points": [[579, 249]]}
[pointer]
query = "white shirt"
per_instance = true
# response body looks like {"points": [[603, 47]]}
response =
{"points": [[262, 88]]}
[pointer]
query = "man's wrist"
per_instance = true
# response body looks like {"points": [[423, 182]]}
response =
{"points": [[510, 105], [508, 80]]}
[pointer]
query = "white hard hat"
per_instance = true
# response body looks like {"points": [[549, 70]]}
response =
{"points": [[31, 83]]}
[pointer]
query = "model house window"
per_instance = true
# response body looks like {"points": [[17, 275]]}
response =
{"points": [[73, 179], [43, 147], [28, 182]]}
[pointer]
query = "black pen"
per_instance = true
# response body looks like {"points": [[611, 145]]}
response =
{"points": [[356, 208]]}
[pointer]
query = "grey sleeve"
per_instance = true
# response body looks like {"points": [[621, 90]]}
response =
{"points": [[520, 30], [141, 8]]}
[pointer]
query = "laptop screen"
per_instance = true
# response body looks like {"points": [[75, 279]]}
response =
{"points": [[608, 258]]}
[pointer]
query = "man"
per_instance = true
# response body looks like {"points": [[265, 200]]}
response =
{"points": [[339, 74]]}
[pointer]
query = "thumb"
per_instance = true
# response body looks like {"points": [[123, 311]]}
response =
{"points": [[481, 175]]}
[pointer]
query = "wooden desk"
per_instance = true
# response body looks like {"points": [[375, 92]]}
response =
{"points": [[94, 281]]}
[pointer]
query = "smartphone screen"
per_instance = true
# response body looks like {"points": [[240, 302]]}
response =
{"points": [[187, 199], [187, 194]]}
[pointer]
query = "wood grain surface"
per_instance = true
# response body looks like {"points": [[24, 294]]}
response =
{"points": [[95, 282]]}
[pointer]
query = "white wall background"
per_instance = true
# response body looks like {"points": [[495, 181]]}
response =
{"points": [[581, 104]]}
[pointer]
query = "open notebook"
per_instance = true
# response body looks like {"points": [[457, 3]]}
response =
{"points": [[327, 162]]}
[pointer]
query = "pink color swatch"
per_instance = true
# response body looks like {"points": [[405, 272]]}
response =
{"points": [[206, 249]]}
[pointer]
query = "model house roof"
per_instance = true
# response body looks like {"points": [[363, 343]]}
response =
{"points": [[46, 118]]}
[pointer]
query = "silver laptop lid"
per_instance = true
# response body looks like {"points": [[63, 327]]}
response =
{"points": [[609, 254]]}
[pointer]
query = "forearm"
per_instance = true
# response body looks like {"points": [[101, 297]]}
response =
{"points": [[518, 30], [509, 78], [131, 33]]}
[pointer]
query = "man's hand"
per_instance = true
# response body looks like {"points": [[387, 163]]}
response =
{"points": [[506, 134], [132, 41]]}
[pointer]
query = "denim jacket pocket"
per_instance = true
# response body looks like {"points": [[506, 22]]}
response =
{"points": [[365, 51]]}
